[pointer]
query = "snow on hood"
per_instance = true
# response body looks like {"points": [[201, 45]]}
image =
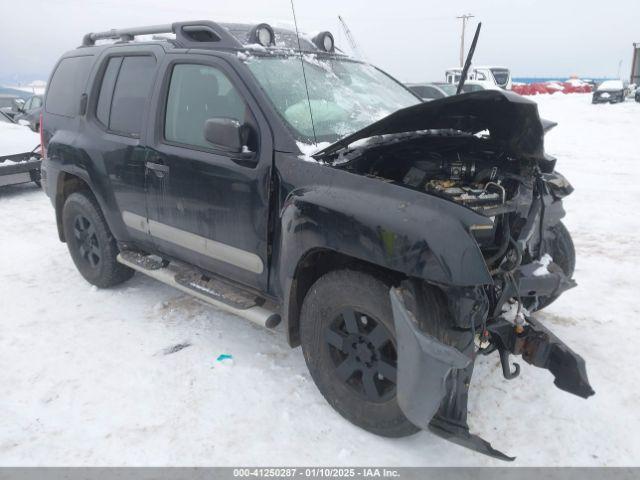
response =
{"points": [[15, 138]]}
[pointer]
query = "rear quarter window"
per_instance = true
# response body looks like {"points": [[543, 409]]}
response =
{"points": [[67, 85], [132, 87]]}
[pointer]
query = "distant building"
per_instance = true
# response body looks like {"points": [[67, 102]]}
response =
{"points": [[635, 64]]}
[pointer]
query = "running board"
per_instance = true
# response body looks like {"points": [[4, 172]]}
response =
{"points": [[212, 291]]}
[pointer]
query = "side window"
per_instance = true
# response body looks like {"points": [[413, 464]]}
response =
{"points": [[36, 102], [196, 94], [67, 85], [27, 105], [133, 84], [106, 90]]}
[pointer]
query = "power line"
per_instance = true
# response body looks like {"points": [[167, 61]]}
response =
{"points": [[464, 19]]}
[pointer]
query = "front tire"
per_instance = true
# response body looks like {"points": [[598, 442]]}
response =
{"points": [[349, 345], [91, 244], [563, 252]]}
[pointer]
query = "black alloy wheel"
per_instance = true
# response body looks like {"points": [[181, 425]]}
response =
{"points": [[347, 333], [363, 354], [88, 245], [93, 248]]}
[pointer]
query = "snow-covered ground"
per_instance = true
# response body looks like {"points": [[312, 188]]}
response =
{"points": [[15, 138], [84, 378]]}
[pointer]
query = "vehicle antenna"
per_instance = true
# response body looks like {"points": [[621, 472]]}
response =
{"points": [[304, 76], [467, 63]]}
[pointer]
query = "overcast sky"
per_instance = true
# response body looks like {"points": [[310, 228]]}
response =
{"points": [[414, 40]]}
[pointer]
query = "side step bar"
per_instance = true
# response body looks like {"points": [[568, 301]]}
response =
{"points": [[175, 275]]}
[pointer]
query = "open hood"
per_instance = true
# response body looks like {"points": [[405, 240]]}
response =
{"points": [[512, 121]]}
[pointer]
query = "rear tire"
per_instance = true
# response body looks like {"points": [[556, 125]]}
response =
{"points": [[91, 244], [348, 340], [36, 177]]}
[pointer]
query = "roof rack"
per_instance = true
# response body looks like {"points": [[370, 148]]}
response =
{"points": [[195, 34]]}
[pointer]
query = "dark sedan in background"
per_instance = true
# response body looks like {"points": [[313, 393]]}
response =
{"points": [[611, 91], [30, 112], [436, 90]]}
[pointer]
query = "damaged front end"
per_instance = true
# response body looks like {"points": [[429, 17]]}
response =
{"points": [[483, 151], [435, 365]]}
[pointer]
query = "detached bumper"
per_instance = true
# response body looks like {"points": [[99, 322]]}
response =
{"points": [[541, 348], [433, 381], [434, 374], [424, 363]]}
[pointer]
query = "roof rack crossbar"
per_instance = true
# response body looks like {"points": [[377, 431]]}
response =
{"points": [[186, 34], [125, 33]]}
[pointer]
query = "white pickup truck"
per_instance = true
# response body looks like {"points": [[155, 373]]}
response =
{"points": [[490, 77], [19, 153]]}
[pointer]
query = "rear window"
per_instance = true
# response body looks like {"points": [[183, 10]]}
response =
{"points": [[501, 75], [67, 85]]}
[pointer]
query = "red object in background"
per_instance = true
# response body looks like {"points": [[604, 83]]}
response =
{"points": [[546, 88]]}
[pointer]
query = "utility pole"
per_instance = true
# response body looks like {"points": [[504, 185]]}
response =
{"points": [[464, 19]]}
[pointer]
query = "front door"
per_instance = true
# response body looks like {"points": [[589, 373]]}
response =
{"points": [[207, 206]]}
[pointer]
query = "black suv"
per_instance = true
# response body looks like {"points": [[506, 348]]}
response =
{"points": [[276, 178]]}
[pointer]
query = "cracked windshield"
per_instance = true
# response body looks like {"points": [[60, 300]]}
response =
{"points": [[345, 96]]}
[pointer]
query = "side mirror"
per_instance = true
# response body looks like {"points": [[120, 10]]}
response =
{"points": [[225, 133]]}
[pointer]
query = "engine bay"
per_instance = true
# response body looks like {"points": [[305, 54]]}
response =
{"points": [[462, 169]]}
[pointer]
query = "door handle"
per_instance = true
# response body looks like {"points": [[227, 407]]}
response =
{"points": [[159, 169]]}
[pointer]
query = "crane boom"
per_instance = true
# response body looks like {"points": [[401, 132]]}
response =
{"points": [[350, 39]]}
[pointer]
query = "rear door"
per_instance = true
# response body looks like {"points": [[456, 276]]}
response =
{"points": [[115, 134], [207, 206]]}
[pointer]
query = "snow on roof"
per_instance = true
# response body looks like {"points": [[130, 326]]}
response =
{"points": [[610, 85]]}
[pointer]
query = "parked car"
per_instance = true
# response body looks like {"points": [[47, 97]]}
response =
{"points": [[427, 91], [29, 113], [437, 90], [637, 95], [473, 86], [448, 88], [395, 239], [19, 153], [611, 91], [8, 104]]}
